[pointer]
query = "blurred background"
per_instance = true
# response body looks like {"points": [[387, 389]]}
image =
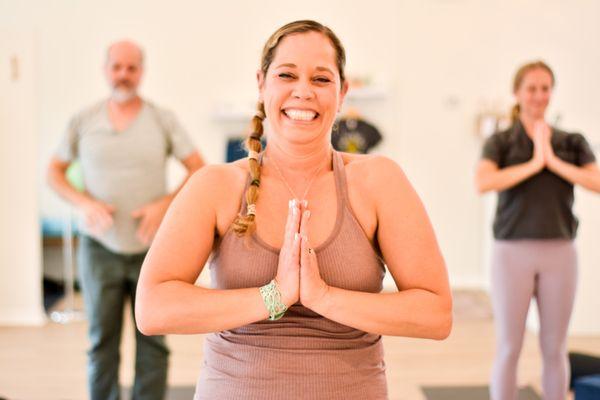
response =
{"points": [[428, 74]]}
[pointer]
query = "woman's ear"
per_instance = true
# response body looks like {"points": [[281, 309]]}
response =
{"points": [[343, 93], [260, 80]]}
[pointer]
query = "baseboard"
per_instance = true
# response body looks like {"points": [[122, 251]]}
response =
{"points": [[23, 317]]}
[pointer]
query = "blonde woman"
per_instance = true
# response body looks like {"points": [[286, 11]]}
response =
{"points": [[299, 235], [534, 167]]}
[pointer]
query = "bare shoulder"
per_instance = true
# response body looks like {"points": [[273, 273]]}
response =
{"points": [[219, 177], [219, 187], [373, 172]]}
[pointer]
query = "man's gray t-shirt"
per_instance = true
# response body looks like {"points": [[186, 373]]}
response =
{"points": [[125, 169]]}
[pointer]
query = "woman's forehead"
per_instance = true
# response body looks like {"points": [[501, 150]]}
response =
{"points": [[537, 75], [300, 49]]}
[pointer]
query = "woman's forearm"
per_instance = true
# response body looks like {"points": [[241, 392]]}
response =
{"points": [[180, 307], [505, 178], [588, 178], [412, 312]]}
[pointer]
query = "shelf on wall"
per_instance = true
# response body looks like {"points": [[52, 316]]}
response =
{"points": [[233, 114], [367, 93]]}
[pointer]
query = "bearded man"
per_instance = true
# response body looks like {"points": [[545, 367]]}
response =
{"points": [[122, 144]]}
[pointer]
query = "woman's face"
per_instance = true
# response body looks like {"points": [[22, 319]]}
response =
{"points": [[301, 90], [533, 95]]}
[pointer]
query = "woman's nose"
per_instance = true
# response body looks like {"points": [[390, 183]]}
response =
{"points": [[303, 90]]}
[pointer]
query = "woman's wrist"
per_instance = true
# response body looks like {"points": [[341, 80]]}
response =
{"points": [[320, 303], [288, 297], [534, 166], [272, 300], [553, 162]]}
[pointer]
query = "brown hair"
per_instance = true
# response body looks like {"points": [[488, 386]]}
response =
{"points": [[518, 80], [244, 224]]}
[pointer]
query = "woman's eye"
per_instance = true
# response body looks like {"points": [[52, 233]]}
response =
{"points": [[323, 79], [285, 75]]}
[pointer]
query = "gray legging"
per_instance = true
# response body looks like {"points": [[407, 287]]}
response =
{"points": [[522, 269]]}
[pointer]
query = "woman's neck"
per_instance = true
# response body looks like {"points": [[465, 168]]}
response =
{"points": [[298, 166], [299, 159], [528, 122]]}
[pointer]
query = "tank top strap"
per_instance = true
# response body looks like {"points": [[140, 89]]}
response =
{"points": [[341, 184], [244, 203]]}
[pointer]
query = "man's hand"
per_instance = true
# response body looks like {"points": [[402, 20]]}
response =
{"points": [[97, 215], [150, 216]]}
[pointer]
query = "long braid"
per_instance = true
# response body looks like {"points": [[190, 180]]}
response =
{"points": [[245, 224]]}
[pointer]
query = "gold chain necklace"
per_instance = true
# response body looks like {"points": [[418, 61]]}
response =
{"points": [[288, 185]]}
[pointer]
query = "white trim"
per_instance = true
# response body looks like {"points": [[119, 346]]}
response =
{"points": [[14, 317]]}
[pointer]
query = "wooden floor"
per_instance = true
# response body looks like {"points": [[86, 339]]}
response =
{"points": [[49, 362]]}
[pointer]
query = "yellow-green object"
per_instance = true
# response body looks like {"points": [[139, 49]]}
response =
{"points": [[272, 299], [75, 176]]}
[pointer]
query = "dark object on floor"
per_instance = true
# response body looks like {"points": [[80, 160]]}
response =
{"points": [[587, 388], [471, 393], [173, 393], [583, 365], [53, 292]]}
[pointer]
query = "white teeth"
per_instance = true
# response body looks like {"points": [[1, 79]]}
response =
{"points": [[301, 115]]}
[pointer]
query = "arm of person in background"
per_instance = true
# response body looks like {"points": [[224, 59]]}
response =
{"points": [[151, 214], [167, 301], [422, 307], [587, 175], [489, 176], [98, 215]]}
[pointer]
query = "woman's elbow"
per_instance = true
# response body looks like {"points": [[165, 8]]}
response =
{"points": [[145, 320], [482, 186], [442, 325]]}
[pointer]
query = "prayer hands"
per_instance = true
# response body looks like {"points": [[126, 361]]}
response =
{"points": [[298, 276]]}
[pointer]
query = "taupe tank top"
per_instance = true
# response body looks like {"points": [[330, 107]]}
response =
{"points": [[302, 355]]}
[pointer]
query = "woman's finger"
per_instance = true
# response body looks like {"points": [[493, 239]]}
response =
{"points": [[295, 252], [304, 223], [291, 227], [304, 236], [308, 257]]}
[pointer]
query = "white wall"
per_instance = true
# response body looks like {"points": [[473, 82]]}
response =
{"points": [[439, 60], [20, 265]]}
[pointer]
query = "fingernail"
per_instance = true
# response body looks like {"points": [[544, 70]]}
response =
{"points": [[294, 211], [296, 237], [305, 203], [290, 204]]}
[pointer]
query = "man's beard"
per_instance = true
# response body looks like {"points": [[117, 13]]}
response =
{"points": [[122, 94]]}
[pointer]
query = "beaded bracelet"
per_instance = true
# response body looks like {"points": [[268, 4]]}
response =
{"points": [[272, 299]]}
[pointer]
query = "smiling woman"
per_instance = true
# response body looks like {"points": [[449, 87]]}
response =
{"points": [[296, 302]]}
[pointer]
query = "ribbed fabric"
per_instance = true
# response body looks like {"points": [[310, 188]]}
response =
{"points": [[302, 355]]}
